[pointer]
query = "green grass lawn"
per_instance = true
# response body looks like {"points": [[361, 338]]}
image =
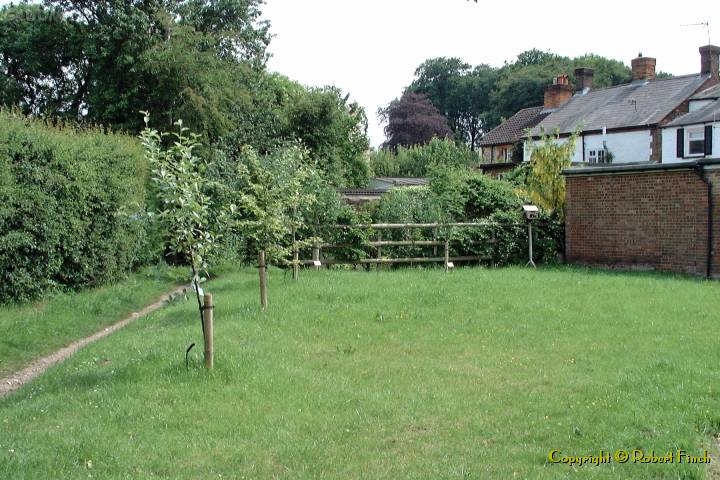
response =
{"points": [[403, 374], [32, 330]]}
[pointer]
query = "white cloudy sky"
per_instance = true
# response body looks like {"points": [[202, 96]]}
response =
{"points": [[370, 48]]}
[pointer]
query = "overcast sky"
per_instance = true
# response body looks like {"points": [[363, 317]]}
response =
{"points": [[370, 48]]}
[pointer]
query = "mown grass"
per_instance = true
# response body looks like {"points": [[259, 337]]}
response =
{"points": [[403, 374], [30, 331]]}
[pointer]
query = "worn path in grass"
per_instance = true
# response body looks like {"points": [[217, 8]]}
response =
{"points": [[18, 379]]}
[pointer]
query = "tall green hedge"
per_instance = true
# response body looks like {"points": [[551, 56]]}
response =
{"points": [[71, 207]]}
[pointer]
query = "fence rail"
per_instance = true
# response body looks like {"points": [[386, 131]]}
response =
{"points": [[448, 261]]}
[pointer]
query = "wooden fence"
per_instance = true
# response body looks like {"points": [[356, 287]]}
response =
{"points": [[446, 243]]}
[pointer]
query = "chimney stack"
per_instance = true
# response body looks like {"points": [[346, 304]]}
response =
{"points": [[709, 60], [643, 68], [583, 79], [558, 93]]}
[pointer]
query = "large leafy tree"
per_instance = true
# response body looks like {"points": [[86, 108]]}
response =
{"points": [[460, 92], [412, 120], [475, 100], [111, 58]]}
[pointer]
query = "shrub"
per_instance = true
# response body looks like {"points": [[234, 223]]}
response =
{"points": [[458, 195], [416, 161], [71, 207]]}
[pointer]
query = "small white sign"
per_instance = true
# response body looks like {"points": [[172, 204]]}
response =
{"points": [[317, 263], [451, 265]]}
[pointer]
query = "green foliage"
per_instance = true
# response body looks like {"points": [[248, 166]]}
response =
{"points": [[71, 207], [459, 195], [545, 181], [460, 92], [417, 160], [475, 100], [270, 199], [184, 206], [334, 131], [104, 61]]}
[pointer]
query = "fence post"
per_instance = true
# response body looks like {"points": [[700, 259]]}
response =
{"points": [[435, 237], [207, 311], [447, 255], [263, 279], [316, 255], [379, 248]]}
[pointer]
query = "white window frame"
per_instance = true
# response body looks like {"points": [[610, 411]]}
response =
{"points": [[700, 131], [598, 155]]}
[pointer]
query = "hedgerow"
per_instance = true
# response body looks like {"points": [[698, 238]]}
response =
{"points": [[71, 207]]}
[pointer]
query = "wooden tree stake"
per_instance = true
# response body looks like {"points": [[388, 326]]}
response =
{"points": [[296, 256], [208, 330], [263, 279]]}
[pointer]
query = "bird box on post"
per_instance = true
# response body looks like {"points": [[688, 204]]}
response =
{"points": [[531, 212]]}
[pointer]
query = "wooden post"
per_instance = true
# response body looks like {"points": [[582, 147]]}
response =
{"points": [[379, 249], [435, 236], [316, 255], [296, 256], [208, 332], [263, 279], [447, 255]]}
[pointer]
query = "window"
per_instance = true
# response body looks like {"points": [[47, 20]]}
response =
{"points": [[696, 142], [598, 156]]}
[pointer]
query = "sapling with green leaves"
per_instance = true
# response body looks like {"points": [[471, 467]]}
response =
{"points": [[183, 205], [272, 197]]}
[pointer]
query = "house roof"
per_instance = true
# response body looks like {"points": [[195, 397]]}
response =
{"points": [[403, 181], [709, 113], [711, 93], [640, 103], [513, 129]]}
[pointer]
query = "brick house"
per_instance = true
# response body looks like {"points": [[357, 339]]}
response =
{"points": [[499, 145], [695, 135], [624, 123], [663, 214]]}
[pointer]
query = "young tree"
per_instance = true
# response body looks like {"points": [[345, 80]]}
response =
{"points": [[184, 206], [270, 201], [545, 181], [412, 120]]}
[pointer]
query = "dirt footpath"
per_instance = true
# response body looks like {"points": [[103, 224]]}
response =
{"points": [[36, 368]]}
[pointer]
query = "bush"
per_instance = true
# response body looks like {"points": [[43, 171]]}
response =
{"points": [[457, 195], [416, 161], [71, 207]]}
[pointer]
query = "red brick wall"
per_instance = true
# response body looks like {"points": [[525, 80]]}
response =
{"points": [[642, 220]]}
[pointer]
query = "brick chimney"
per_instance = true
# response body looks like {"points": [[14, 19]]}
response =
{"points": [[643, 68], [583, 79], [709, 60], [558, 93]]}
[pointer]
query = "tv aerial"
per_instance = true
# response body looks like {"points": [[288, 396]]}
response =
{"points": [[700, 24]]}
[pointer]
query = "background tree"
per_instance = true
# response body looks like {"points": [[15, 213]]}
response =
{"points": [[460, 92], [475, 100], [112, 58], [412, 120], [335, 132]]}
